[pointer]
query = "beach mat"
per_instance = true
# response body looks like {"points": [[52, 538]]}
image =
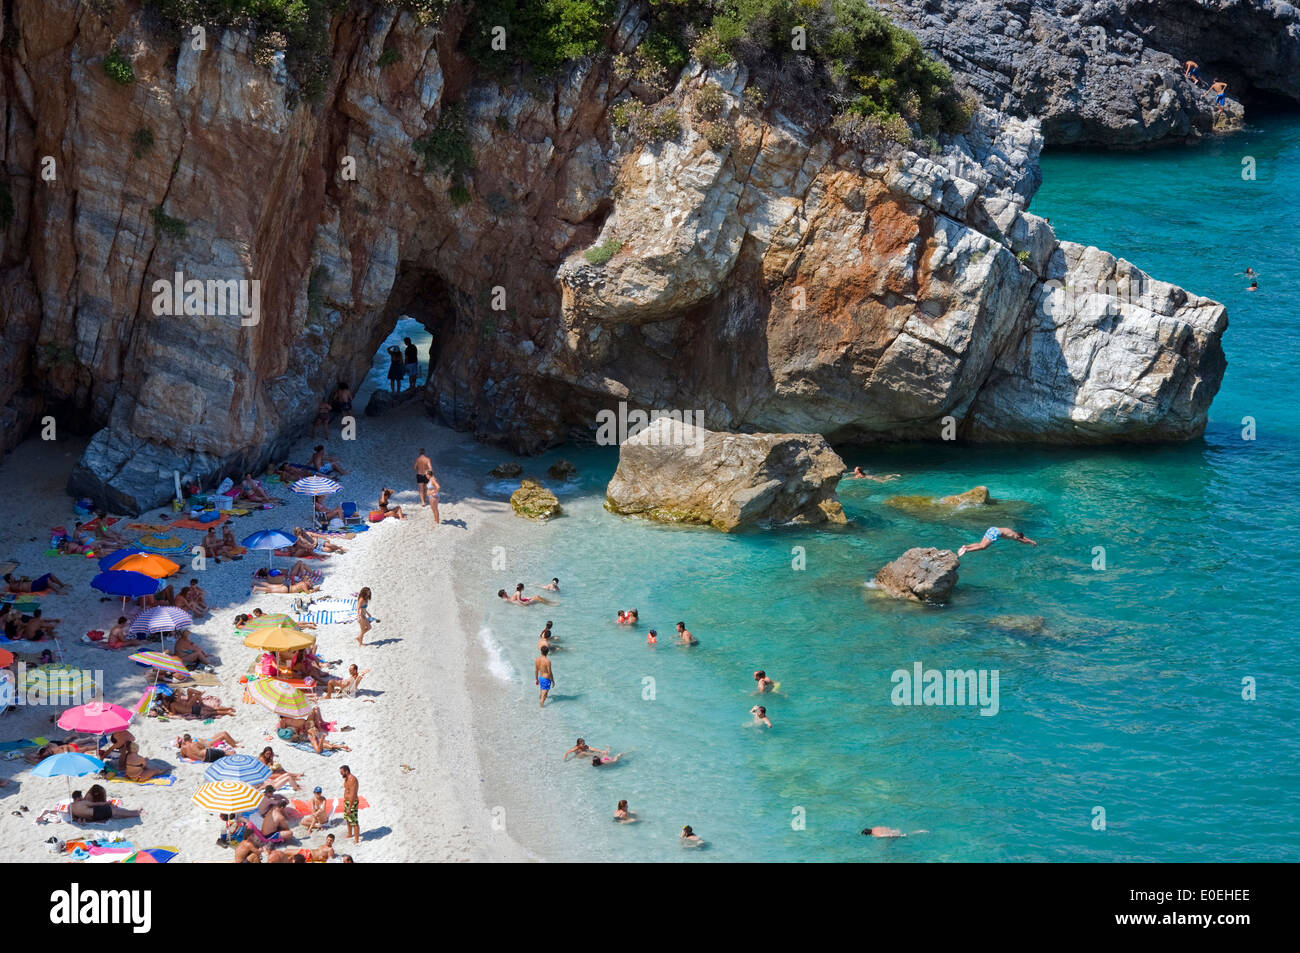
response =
{"points": [[334, 806], [165, 780], [200, 525], [163, 545], [306, 746], [23, 743]]}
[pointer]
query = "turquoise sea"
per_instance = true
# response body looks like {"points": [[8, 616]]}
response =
{"points": [[1119, 688]]}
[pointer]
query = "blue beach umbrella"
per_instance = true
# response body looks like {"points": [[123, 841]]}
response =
{"points": [[125, 584], [270, 540], [238, 767], [112, 559], [68, 764]]}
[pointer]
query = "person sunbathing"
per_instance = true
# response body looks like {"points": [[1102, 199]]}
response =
{"points": [[314, 719], [95, 806], [304, 729], [325, 513], [272, 813], [290, 473], [322, 462], [323, 853], [279, 776], [194, 705], [36, 627], [197, 598], [212, 544], [320, 812], [165, 596], [39, 584], [320, 544], [197, 750], [70, 745], [230, 547], [387, 508], [252, 490], [247, 852], [265, 585], [188, 652], [345, 686], [131, 764]]}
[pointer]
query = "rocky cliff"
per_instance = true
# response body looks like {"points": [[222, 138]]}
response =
{"points": [[1111, 72], [774, 277]]}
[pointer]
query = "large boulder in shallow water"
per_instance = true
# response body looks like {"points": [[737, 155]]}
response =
{"points": [[561, 470], [507, 469], [534, 501], [676, 473], [976, 496], [921, 574]]}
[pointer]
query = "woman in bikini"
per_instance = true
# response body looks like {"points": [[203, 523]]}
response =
{"points": [[192, 704], [265, 585], [135, 767], [388, 509], [95, 806], [279, 776], [363, 614]]}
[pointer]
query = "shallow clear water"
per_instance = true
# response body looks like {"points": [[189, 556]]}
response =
{"points": [[1119, 688]]}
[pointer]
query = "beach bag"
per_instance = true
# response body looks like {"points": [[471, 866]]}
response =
{"points": [[224, 486], [336, 524], [95, 635]]}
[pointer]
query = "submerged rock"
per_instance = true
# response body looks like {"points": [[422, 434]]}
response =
{"points": [[921, 575], [561, 470], [506, 470], [534, 501], [976, 496], [677, 473]]}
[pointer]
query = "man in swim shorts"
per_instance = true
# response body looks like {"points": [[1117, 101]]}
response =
{"points": [[423, 469], [991, 536], [1219, 90], [542, 673], [351, 803]]}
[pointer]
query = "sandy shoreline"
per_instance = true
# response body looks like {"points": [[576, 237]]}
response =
{"points": [[428, 591]]}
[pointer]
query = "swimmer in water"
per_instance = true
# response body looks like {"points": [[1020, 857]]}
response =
{"points": [[652, 637], [690, 838], [603, 759], [760, 717], [860, 474], [991, 536], [582, 750], [552, 586], [1250, 272], [1254, 286], [684, 636], [886, 832], [628, 617], [623, 815], [765, 684]]}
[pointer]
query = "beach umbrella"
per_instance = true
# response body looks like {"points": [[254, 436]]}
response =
{"points": [[140, 857], [279, 697], [68, 764], [142, 705], [149, 564], [95, 717], [270, 540], [161, 661], [160, 619], [228, 797], [112, 559], [271, 620], [238, 767], [315, 486], [125, 584], [279, 640], [57, 679]]}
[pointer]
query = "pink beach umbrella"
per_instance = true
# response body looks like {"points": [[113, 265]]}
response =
{"points": [[95, 718]]}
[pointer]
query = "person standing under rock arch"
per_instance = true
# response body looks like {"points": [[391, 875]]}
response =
{"points": [[412, 355]]}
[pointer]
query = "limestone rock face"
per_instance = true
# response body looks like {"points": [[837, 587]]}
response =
{"points": [[1111, 73], [921, 575], [975, 496], [677, 473], [533, 501], [787, 282]]}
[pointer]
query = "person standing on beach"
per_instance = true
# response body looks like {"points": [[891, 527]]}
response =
{"points": [[434, 489], [396, 369], [423, 470], [351, 803], [363, 614], [543, 675], [412, 361]]}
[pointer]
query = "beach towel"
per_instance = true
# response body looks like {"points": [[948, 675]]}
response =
{"points": [[163, 780], [289, 553], [202, 524], [347, 533], [327, 616], [163, 545], [306, 746], [22, 743], [332, 806]]}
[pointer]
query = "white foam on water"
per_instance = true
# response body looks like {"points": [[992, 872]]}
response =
{"points": [[497, 664]]}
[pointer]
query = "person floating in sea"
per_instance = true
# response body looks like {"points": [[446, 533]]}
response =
{"points": [[991, 536], [518, 597], [1254, 286], [886, 832], [765, 684], [684, 635], [689, 838], [760, 717], [604, 758], [543, 675], [652, 637], [552, 586], [860, 474], [628, 616], [623, 815], [583, 750], [1193, 72], [1219, 90]]}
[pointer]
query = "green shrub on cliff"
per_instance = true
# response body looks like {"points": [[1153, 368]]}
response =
{"points": [[446, 149], [118, 67], [601, 254], [540, 34], [142, 141], [164, 224]]}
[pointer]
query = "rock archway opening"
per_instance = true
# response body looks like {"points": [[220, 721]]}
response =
{"points": [[418, 314]]}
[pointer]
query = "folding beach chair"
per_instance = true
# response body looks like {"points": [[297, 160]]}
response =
{"points": [[350, 515]]}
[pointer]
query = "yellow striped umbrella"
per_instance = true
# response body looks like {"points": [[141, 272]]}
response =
{"points": [[279, 640], [151, 564], [57, 679], [279, 697], [159, 660], [228, 797]]}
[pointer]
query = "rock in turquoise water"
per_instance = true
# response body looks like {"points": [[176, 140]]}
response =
{"points": [[533, 501]]}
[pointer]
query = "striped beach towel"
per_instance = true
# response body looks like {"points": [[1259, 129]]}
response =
{"points": [[163, 545], [327, 612]]}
